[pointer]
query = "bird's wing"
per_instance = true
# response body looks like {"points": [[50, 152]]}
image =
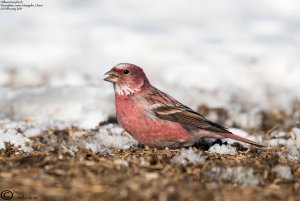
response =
{"points": [[168, 108], [187, 117], [165, 107]]}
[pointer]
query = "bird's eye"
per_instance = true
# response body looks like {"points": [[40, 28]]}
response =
{"points": [[126, 71]]}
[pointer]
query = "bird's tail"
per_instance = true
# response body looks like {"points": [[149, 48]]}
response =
{"points": [[239, 138]]}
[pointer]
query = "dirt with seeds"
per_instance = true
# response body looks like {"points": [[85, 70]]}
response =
{"points": [[53, 172]]}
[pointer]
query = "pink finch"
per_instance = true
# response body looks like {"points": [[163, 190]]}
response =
{"points": [[154, 118]]}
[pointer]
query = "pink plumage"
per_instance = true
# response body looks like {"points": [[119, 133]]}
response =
{"points": [[154, 118]]}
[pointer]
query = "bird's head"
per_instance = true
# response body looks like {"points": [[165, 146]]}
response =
{"points": [[127, 78]]}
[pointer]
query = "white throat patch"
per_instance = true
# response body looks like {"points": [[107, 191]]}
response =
{"points": [[123, 89]]}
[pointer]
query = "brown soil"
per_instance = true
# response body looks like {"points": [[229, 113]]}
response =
{"points": [[143, 173]]}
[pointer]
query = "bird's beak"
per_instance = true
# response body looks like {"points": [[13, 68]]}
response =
{"points": [[112, 76]]}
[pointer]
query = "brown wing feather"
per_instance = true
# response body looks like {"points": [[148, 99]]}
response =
{"points": [[175, 111], [172, 110], [188, 117]]}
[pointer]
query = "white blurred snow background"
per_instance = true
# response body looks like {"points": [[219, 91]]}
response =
{"points": [[243, 56]]}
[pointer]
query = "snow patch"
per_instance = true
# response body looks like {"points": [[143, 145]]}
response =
{"points": [[189, 156], [14, 138], [241, 175], [223, 149], [293, 153], [286, 142], [91, 117], [278, 134], [283, 172], [31, 132], [109, 136], [296, 131]]}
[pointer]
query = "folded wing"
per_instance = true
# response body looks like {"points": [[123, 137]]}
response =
{"points": [[168, 108]]}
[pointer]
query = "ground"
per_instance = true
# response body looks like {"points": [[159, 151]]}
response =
{"points": [[143, 174], [54, 170]]}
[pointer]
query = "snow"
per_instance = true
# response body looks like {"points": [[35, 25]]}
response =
{"points": [[14, 138], [285, 142], [91, 117], [293, 153], [31, 132], [60, 103], [257, 47], [278, 134], [7, 124], [283, 172], [240, 175], [109, 136], [293, 144], [296, 131], [187, 156], [223, 149]]}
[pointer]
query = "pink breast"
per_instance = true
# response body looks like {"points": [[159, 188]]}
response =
{"points": [[144, 127]]}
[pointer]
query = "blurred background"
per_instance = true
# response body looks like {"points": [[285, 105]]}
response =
{"points": [[239, 55]]}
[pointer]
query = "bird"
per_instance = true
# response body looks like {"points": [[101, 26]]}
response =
{"points": [[156, 119]]}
